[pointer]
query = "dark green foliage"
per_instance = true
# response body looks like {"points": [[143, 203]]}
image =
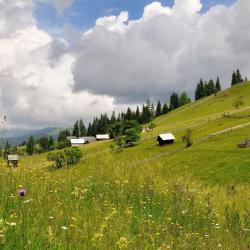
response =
{"points": [[82, 129], [63, 135], [158, 111], [73, 155], [236, 78], [131, 136], [58, 157], [76, 132], [63, 144], [165, 109], [174, 101], [184, 99], [210, 88], [30, 146], [217, 85], [68, 156], [200, 90]]}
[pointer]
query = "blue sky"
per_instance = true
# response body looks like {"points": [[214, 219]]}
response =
{"points": [[83, 13]]}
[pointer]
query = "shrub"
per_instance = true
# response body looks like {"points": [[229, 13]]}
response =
{"points": [[58, 157], [68, 156], [187, 138], [73, 155], [63, 144]]}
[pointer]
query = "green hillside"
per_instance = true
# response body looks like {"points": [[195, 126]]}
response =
{"points": [[144, 197]]}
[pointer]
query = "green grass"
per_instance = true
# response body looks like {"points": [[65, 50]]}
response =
{"points": [[144, 197]]}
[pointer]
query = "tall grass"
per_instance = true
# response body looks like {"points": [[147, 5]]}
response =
{"points": [[102, 205]]}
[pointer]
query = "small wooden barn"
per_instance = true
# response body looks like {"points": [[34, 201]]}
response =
{"points": [[165, 139], [13, 160], [102, 137], [77, 142], [88, 139]]}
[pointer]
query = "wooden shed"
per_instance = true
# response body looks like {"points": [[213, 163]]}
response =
{"points": [[13, 160], [165, 139], [102, 137], [77, 142]]}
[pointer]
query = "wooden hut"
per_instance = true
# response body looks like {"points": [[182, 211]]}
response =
{"points": [[13, 160], [165, 139], [102, 137]]}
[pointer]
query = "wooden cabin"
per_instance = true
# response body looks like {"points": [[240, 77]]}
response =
{"points": [[77, 142], [102, 137], [165, 139], [13, 160]]}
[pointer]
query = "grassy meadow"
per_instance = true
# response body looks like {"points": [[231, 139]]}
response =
{"points": [[144, 197]]}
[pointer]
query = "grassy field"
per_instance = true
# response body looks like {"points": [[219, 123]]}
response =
{"points": [[144, 197]]}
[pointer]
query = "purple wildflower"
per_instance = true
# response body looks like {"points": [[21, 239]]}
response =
{"points": [[22, 192]]}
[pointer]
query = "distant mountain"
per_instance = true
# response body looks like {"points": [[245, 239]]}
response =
{"points": [[17, 136]]}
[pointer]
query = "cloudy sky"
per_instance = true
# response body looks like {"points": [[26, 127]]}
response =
{"points": [[61, 60]]}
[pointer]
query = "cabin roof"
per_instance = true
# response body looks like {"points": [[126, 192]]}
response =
{"points": [[13, 157], [77, 141], [166, 137], [104, 136]]}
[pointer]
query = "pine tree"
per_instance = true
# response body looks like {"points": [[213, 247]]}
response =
{"points": [[234, 79], [129, 115], [138, 114], [113, 118], [76, 130], [184, 99], [82, 129], [238, 77], [165, 108], [217, 85], [200, 90], [174, 101], [51, 143], [158, 109], [89, 130], [30, 146]]}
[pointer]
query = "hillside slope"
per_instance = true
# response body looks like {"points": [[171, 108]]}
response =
{"points": [[144, 197]]}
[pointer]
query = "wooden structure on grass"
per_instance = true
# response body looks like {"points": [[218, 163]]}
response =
{"points": [[13, 160], [245, 144], [165, 139]]}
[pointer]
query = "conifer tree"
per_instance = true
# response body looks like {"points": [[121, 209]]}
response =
{"points": [[174, 101], [113, 118], [30, 146], [158, 109], [238, 77], [138, 114], [217, 85], [165, 108], [184, 99], [76, 130], [82, 129], [234, 79]]}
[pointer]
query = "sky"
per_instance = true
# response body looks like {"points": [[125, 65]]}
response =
{"points": [[62, 60]]}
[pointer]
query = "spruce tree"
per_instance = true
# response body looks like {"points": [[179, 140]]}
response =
{"points": [[165, 108], [174, 101], [113, 118], [158, 109], [82, 129], [234, 79], [30, 146], [76, 130], [238, 77], [217, 85], [184, 99], [129, 115], [138, 114]]}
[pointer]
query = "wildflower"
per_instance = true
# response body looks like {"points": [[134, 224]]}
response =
{"points": [[22, 192], [12, 224], [64, 228], [122, 243]]}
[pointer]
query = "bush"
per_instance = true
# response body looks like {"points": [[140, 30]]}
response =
{"points": [[69, 156], [63, 144], [58, 157], [187, 138], [73, 155]]}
